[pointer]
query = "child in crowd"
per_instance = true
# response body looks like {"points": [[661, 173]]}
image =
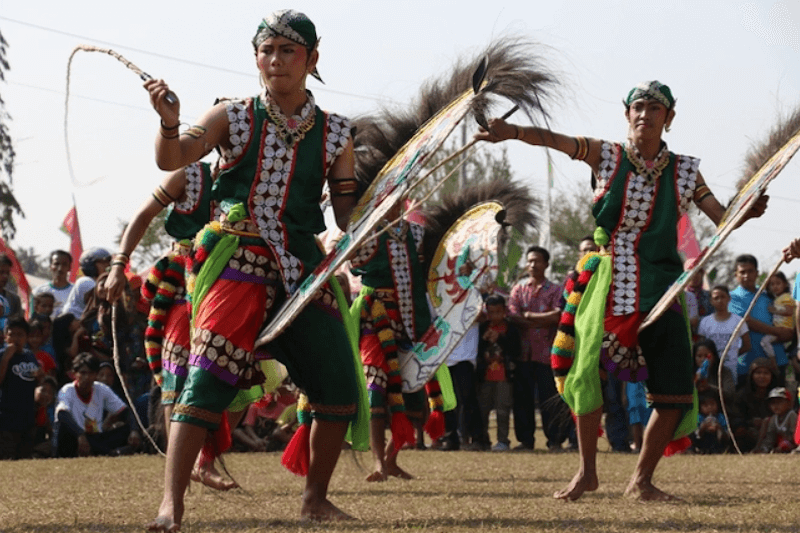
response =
{"points": [[499, 347], [779, 437], [719, 326], [707, 378], [19, 374], [711, 435], [44, 396], [35, 341], [269, 422], [638, 412], [43, 304], [782, 309]]}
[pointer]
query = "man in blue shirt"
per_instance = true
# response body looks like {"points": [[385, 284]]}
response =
{"points": [[760, 320]]}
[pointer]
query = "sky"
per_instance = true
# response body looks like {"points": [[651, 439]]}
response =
{"points": [[733, 66]]}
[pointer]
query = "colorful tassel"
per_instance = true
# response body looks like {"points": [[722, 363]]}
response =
{"points": [[677, 446], [434, 427], [297, 455], [402, 431]]}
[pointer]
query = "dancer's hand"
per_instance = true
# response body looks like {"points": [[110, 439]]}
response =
{"points": [[115, 283], [792, 251], [499, 130], [170, 113]]}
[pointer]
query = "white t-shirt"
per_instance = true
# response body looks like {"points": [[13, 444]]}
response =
{"points": [[76, 301], [59, 295], [467, 348], [89, 414], [719, 333]]}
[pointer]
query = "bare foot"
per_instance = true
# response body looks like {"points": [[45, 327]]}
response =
{"points": [[396, 471], [211, 478], [377, 476], [168, 519], [645, 491], [582, 482], [323, 511]]}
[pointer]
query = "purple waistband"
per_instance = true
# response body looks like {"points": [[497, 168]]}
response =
{"points": [[237, 275]]}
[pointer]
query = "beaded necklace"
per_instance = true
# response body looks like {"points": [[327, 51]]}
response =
{"points": [[294, 128], [649, 170]]}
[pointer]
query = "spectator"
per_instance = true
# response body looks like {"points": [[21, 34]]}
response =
{"points": [[535, 305], [94, 262], [706, 358], [779, 437], [59, 285], [268, 424], [36, 332], [44, 396], [14, 308], [782, 309], [638, 414], [701, 295], [19, 373], [89, 416], [43, 304], [751, 411], [465, 419], [498, 352], [719, 327], [711, 435], [760, 321]]}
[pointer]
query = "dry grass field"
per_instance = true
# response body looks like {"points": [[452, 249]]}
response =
{"points": [[453, 491]]}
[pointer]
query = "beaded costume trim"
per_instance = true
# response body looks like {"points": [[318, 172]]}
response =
{"points": [[194, 190]]}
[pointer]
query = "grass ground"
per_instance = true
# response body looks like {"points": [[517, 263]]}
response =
{"points": [[453, 491]]}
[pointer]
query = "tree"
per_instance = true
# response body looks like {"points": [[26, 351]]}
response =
{"points": [[32, 264], [155, 242], [8, 203]]}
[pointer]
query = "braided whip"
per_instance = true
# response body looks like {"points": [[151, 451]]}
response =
{"points": [[170, 98], [122, 381]]}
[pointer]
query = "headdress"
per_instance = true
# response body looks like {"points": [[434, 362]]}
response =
{"points": [[292, 25], [651, 90]]}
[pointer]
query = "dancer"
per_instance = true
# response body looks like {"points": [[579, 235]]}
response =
{"points": [[641, 188], [277, 150], [394, 312], [187, 195]]}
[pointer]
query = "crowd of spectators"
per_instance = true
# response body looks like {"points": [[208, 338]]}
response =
{"points": [[60, 395]]}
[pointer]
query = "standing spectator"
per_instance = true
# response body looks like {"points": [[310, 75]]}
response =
{"points": [[465, 418], [498, 351], [19, 373], [719, 327], [779, 437], [94, 262], [59, 285], [760, 320], [14, 303], [701, 295], [782, 308], [35, 341], [535, 304], [43, 304]]}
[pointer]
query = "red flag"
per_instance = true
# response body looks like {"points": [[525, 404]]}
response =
{"points": [[687, 242], [70, 227], [17, 277]]}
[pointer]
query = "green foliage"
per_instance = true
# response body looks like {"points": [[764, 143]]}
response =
{"points": [[9, 207], [32, 264], [155, 243], [571, 220]]}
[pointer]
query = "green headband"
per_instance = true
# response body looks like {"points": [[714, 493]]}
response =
{"points": [[651, 90], [292, 25]]}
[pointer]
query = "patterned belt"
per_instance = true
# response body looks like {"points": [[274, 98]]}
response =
{"points": [[243, 228]]}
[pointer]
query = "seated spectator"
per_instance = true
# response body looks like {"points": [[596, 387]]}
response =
{"points": [[779, 437], [44, 396], [90, 418], [59, 286], [270, 422], [638, 412], [19, 373], [719, 327], [750, 408], [35, 341], [711, 435], [707, 378]]}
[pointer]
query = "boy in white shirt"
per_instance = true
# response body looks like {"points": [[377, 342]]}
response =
{"points": [[719, 326]]}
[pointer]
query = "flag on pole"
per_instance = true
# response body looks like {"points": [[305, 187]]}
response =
{"points": [[70, 227], [17, 278]]}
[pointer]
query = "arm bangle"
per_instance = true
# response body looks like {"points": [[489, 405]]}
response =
{"points": [[169, 128]]}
